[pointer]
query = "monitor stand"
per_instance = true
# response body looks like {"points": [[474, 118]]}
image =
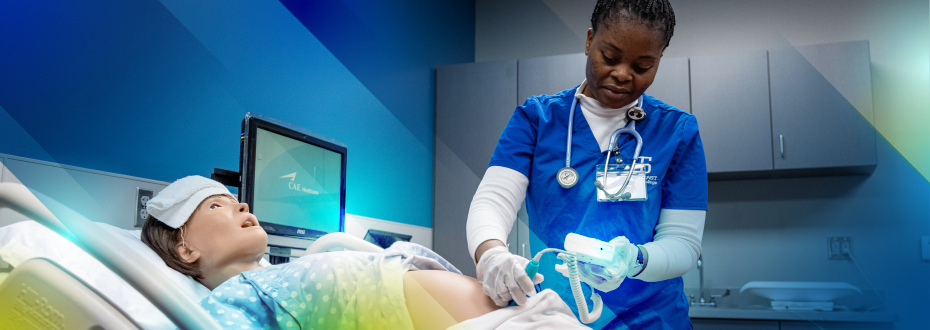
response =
{"points": [[227, 178]]}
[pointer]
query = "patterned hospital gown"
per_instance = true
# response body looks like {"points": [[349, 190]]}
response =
{"points": [[334, 290]]}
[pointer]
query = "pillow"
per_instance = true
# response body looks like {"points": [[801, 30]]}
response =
{"points": [[131, 238], [28, 239]]}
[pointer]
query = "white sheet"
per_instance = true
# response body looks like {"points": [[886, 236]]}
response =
{"points": [[545, 310]]}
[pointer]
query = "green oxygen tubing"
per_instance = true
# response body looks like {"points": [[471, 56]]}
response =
{"points": [[571, 261]]}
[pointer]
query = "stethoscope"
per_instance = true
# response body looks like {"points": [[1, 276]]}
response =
{"points": [[568, 177]]}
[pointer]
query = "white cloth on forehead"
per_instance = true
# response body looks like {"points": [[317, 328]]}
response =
{"points": [[175, 204]]}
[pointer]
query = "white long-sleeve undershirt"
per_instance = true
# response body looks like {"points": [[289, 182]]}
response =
{"points": [[601, 120], [676, 245], [673, 251]]}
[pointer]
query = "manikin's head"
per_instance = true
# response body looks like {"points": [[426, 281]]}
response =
{"points": [[624, 45], [218, 234]]}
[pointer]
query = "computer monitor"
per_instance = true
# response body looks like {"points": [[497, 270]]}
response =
{"points": [[294, 180]]}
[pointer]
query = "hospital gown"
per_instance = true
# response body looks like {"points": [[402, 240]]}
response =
{"points": [[334, 290]]}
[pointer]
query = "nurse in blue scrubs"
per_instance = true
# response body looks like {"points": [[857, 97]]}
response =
{"points": [[624, 48]]}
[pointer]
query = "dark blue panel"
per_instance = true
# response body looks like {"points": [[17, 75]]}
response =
{"points": [[393, 46], [157, 89], [107, 85]]}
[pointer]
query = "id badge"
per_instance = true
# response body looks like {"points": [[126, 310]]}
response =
{"points": [[616, 174]]}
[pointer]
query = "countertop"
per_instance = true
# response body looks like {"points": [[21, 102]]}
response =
{"points": [[786, 315]]}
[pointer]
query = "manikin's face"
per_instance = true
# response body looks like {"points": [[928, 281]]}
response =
{"points": [[223, 232], [622, 61]]}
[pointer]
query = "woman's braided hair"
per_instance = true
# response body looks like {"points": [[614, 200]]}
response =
{"points": [[656, 13]]}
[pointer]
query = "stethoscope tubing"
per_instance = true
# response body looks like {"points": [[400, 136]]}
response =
{"points": [[630, 128], [571, 121]]}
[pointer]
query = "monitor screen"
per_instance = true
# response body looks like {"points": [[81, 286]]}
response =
{"points": [[294, 183]]}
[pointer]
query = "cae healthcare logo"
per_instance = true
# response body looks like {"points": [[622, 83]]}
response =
{"points": [[296, 186]]}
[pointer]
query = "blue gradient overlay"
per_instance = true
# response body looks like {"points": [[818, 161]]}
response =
{"points": [[158, 89]]}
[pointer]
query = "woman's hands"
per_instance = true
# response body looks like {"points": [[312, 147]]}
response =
{"points": [[503, 276], [625, 253]]}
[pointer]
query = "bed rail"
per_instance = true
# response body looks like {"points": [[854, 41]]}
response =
{"points": [[149, 281]]}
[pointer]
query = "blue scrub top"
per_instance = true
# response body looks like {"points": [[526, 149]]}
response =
{"points": [[533, 143]]}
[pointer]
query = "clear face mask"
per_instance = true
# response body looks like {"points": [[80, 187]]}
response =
{"points": [[595, 262], [602, 278], [587, 260]]}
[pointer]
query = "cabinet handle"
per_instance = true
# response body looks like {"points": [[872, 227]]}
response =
{"points": [[523, 250], [781, 141]]}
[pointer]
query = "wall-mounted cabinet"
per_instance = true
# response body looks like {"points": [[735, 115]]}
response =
{"points": [[730, 98], [671, 84], [816, 125], [788, 112]]}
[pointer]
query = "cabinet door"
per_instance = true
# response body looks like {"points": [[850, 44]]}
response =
{"points": [[550, 74], [816, 91], [730, 98], [474, 102], [672, 85]]}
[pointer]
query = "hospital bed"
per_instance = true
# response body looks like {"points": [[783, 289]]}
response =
{"points": [[41, 294]]}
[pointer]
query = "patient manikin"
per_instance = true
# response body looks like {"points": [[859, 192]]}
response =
{"points": [[200, 230]]}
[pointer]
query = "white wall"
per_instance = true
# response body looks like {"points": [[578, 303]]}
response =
{"points": [[109, 197]]}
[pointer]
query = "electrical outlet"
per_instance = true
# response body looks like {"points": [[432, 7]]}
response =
{"points": [[839, 248], [142, 198]]}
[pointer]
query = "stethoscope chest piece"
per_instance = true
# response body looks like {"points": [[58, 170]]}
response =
{"points": [[636, 113], [567, 177]]}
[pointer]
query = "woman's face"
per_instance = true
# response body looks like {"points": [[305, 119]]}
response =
{"points": [[224, 231], [622, 61]]}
